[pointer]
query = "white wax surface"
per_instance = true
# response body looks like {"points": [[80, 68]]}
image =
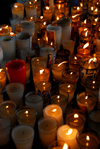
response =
{"points": [[14, 87], [26, 52]]}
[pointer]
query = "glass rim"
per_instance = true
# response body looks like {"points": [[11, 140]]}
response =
{"points": [[7, 101], [17, 91]]}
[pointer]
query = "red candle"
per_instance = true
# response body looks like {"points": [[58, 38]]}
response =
{"points": [[16, 71]]}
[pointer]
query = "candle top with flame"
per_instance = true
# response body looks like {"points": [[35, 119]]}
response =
{"points": [[92, 85], [30, 5], [17, 6], [67, 87], [53, 110], [4, 30]]}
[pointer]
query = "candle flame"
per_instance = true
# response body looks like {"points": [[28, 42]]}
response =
{"points": [[71, 73], [87, 138], [85, 21], [94, 59], [54, 110], [92, 8], [86, 97], [1, 70], [7, 107], [11, 33], [41, 71], [26, 113], [30, 2], [69, 131], [16, 6], [96, 10], [47, 8], [75, 58], [86, 45], [44, 23], [75, 16], [86, 33], [0, 29], [41, 17], [62, 63], [51, 43], [81, 4], [58, 96], [97, 3], [68, 86], [76, 115], [96, 19], [37, 60], [6, 26], [65, 146], [93, 82], [57, 18], [43, 83], [85, 29], [59, 6], [78, 8], [46, 38], [31, 18]]}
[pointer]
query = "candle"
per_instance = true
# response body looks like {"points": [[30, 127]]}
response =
{"points": [[5, 125], [76, 10], [47, 13], [23, 136], [26, 115], [8, 44], [47, 130], [67, 134], [27, 72], [87, 139], [57, 71], [58, 97], [16, 71], [23, 40], [1, 54], [38, 62], [28, 26], [88, 69], [86, 101], [15, 92], [30, 9], [69, 88], [75, 119], [58, 33], [35, 99], [42, 74], [44, 87], [4, 30], [14, 23], [27, 53], [58, 145], [3, 78], [9, 108], [55, 111], [17, 10]]}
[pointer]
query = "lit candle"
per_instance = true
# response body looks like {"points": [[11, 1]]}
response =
{"points": [[17, 11], [8, 44], [30, 9], [3, 78], [23, 136], [47, 13], [9, 108], [69, 88], [26, 116], [55, 111], [15, 92], [67, 134], [47, 130], [86, 101], [5, 126], [75, 119], [41, 75], [4, 30], [76, 10], [35, 99], [62, 146]]}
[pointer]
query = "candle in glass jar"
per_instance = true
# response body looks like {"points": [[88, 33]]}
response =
{"points": [[3, 78], [47, 13], [4, 30], [30, 9], [67, 134], [26, 116], [17, 11], [23, 136], [9, 108], [86, 101], [55, 111]]}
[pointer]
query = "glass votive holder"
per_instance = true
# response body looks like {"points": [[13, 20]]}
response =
{"points": [[44, 87], [60, 97], [41, 74], [4, 30], [70, 76], [83, 52], [47, 13], [30, 9], [5, 126], [35, 100], [94, 121], [26, 115], [3, 78], [86, 101], [59, 6], [68, 88], [85, 36], [58, 144], [47, 130], [76, 10], [75, 118], [87, 139], [23, 136], [9, 108], [15, 92], [38, 62]]}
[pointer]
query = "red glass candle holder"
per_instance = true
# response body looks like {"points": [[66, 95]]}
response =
{"points": [[16, 71]]}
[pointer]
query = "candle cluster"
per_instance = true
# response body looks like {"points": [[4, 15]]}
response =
{"points": [[49, 76]]}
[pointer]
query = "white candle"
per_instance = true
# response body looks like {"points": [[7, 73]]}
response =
{"points": [[55, 111], [3, 78], [58, 33], [34, 99], [15, 92], [70, 89], [47, 13], [67, 134], [47, 130], [18, 11], [30, 9], [23, 136], [27, 72], [14, 23], [9, 108], [8, 44], [26, 116], [5, 125]]}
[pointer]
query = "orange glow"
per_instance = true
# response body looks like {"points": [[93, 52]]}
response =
{"points": [[86, 45], [69, 131]]}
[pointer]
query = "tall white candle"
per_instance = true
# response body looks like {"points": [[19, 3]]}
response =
{"points": [[23, 136], [55, 111]]}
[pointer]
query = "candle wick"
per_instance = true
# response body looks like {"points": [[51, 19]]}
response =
{"points": [[22, 132]]}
